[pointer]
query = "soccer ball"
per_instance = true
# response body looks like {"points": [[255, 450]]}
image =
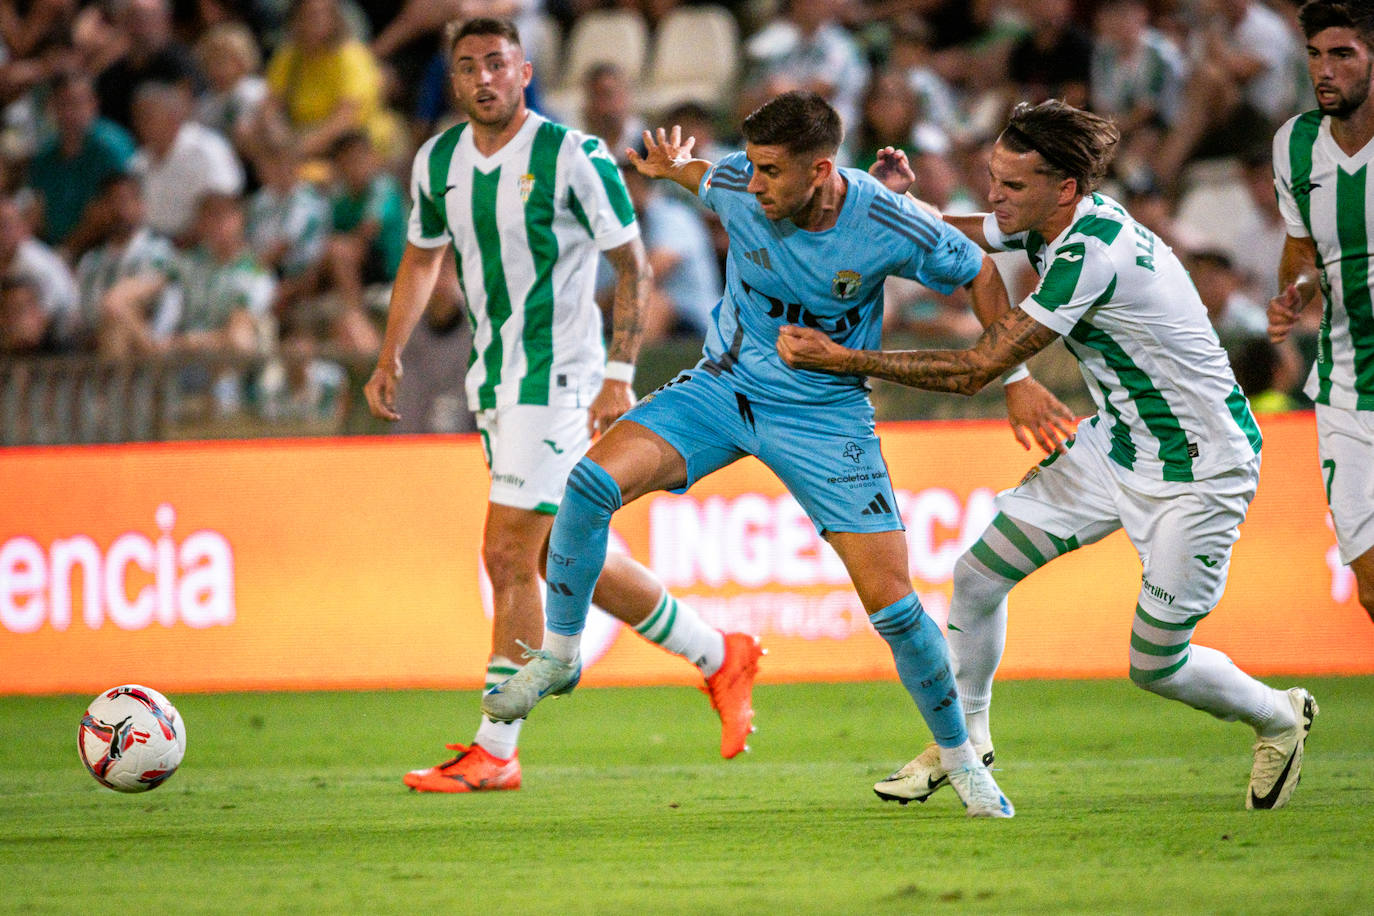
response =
{"points": [[131, 739]]}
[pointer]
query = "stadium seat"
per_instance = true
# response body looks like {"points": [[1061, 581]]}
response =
{"points": [[696, 56], [619, 37]]}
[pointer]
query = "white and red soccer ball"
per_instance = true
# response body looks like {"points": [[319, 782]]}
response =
{"points": [[131, 738]]}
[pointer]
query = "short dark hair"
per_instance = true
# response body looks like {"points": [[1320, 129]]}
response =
{"points": [[1074, 143], [800, 122], [1318, 15], [458, 30]]}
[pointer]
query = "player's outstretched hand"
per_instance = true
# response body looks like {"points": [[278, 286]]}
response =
{"points": [[381, 392], [1035, 413], [893, 169], [1285, 308], [807, 348], [610, 403], [663, 152]]}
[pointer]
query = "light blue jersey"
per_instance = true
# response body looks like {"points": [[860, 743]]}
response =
{"points": [[777, 274]]}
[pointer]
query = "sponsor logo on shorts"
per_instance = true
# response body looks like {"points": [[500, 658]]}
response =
{"points": [[508, 479], [553, 445], [860, 478], [853, 452], [1156, 592], [1205, 560]]}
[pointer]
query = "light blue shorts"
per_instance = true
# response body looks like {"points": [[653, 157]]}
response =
{"points": [[828, 457]]}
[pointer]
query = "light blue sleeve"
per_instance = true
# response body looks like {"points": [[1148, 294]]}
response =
{"points": [[724, 182], [942, 258]]}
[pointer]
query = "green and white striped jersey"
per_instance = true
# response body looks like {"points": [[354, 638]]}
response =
{"points": [[1166, 397], [212, 291], [1328, 196], [105, 265], [526, 224]]}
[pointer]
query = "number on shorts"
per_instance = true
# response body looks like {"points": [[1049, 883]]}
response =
{"points": [[1329, 466]]}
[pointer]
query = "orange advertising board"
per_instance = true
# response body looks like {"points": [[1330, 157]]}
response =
{"points": [[353, 563]]}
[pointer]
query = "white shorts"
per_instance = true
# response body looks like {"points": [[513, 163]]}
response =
{"points": [[530, 450], [1345, 445], [1184, 539]]}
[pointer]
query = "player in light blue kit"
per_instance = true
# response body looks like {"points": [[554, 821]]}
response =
{"points": [[810, 245]]}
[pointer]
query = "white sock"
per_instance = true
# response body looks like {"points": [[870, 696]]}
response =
{"points": [[564, 648], [1211, 682], [500, 739], [675, 626], [977, 634], [977, 725], [953, 758]]}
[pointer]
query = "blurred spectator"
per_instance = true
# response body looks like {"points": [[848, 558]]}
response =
{"points": [[299, 385], [130, 249], [25, 328], [892, 116], [1145, 200], [324, 82], [608, 109], [687, 283], [151, 55], [368, 222], [913, 57], [1137, 78], [229, 55], [1268, 373], [179, 160], [226, 296], [1234, 315], [1054, 60], [805, 49], [24, 258], [68, 172], [698, 122], [27, 29], [1243, 83], [1261, 232], [288, 222]]}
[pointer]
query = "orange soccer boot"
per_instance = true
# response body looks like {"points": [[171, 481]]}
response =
{"points": [[731, 691], [473, 770]]}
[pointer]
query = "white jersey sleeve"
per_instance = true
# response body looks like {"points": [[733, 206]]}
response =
{"points": [[427, 226], [599, 191], [1000, 241], [1283, 184]]}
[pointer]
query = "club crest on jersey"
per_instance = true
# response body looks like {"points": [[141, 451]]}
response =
{"points": [[846, 283], [526, 187]]}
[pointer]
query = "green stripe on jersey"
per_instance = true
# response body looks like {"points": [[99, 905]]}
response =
{"points": [[433, 219], [580, 214], [537, 337], [1354, 240], [488, 232], [1300, 143], [611, 180], [1099, 227], [1061, 279], [1240, 412], [1149, 401]]}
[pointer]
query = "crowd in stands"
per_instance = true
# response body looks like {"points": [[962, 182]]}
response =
{"points": [[210, 177]]}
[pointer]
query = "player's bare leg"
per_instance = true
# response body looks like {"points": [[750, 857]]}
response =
{"points": [[1363, 568]]}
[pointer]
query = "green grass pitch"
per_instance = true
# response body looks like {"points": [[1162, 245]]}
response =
{"points": [[292, 803]]}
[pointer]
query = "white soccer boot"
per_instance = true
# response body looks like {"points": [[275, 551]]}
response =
{"points": [[1278, 761], [545, 675], [976, 788], [919, 779]]}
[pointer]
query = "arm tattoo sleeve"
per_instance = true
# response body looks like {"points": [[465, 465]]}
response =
{"points": [[1011, 339]]}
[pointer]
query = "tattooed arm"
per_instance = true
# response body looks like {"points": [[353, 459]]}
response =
{"points": [[1011, 339], [633, 277]]}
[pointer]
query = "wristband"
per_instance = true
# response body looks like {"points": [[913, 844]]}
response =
{"points": [[618, 371], [1015, 374]]}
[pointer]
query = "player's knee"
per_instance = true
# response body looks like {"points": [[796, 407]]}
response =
{"points": [[976, 590], [592, 495]]}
